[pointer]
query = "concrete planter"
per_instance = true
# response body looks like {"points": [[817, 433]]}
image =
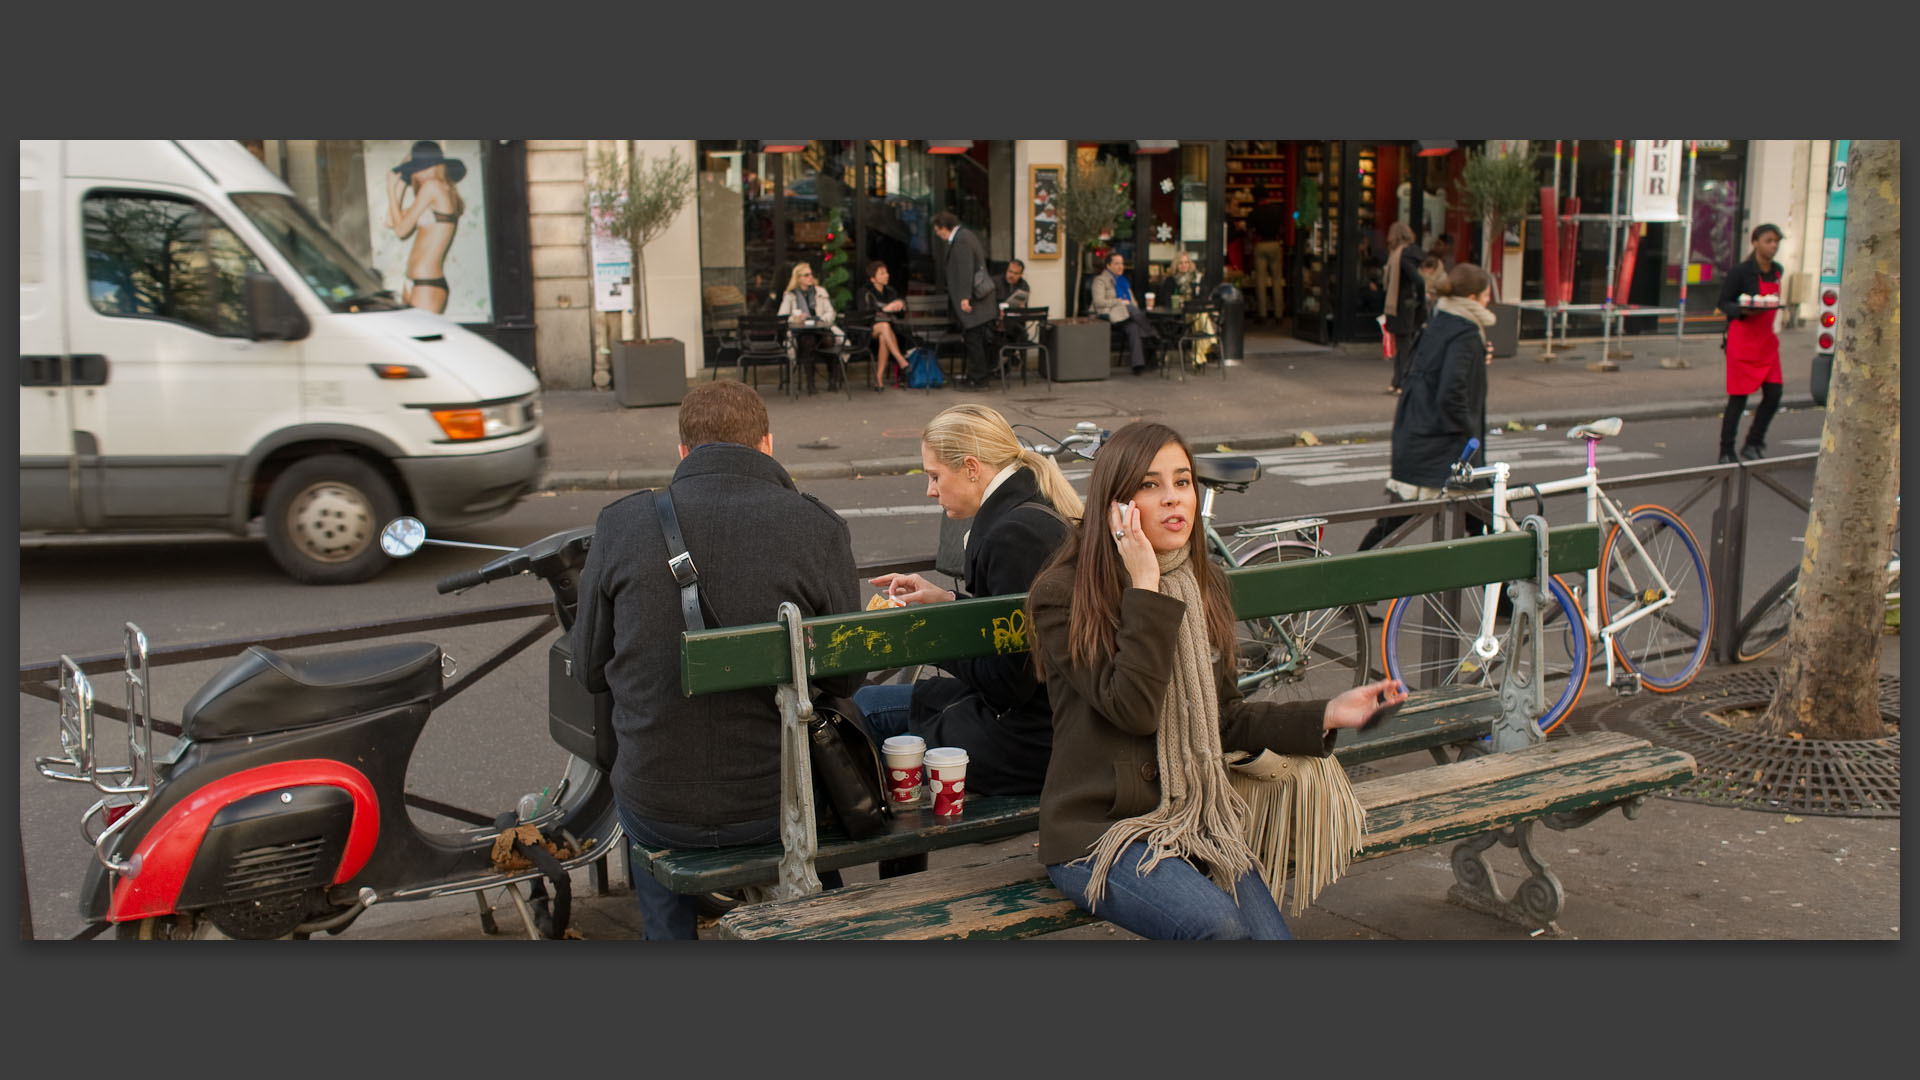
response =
{"points": [[1505, 331], [1079, 349], [649, 372]]}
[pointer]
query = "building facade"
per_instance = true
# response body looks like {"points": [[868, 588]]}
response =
{"points": [[521, 265]]}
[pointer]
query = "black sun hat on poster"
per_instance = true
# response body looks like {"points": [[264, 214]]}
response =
{"points": [[427, 154]]}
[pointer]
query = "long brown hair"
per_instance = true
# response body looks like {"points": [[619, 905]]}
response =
{"points": [[1099, 576]]}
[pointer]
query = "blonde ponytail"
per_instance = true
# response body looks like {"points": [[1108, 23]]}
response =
{"points": [[980, 432], [1053, 484]]}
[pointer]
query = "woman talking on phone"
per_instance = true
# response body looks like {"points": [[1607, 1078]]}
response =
{"points": [[1140, 821]]}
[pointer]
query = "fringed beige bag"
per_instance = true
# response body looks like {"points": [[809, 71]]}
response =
{"points": [[1300, 809]]}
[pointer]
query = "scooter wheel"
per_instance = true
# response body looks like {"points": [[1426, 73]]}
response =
{"points": [[185, 926]]}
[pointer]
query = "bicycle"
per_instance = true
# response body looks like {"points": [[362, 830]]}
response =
{"points": [[1765, 626], [1649, 603], [1306, 655]]}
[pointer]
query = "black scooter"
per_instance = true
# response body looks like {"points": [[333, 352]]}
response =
{"points": [[280, 811]]}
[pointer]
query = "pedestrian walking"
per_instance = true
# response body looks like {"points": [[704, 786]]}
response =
{"points": [[1406, 298], [1752, 345], [1443, 401]]}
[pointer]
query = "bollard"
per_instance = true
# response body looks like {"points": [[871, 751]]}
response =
{"points": [[1233, 323]]}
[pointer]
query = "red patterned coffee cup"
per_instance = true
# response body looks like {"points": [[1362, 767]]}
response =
{"points": [[905, 760], [947, 776]]}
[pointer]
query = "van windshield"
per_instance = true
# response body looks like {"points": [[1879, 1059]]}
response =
{"points": [[341, 282]]}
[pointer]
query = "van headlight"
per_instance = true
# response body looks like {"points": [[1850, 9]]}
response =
{"points": [[488, 422]]}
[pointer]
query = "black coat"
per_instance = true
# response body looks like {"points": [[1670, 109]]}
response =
{"points": [[868, 300], [994, 708], [964, 253], [1413, 294], [1443, 402], [1745, 278], [710, 759]]}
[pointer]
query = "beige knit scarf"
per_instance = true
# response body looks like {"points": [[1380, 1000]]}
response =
{"points": [[1469, 309], [1260, 815]]}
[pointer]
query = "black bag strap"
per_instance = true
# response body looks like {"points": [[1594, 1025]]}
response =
{"points": [[692, 604]]}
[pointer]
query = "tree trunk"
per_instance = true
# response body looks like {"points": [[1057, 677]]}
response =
{"points": [[639, 293], [1829, 686]]}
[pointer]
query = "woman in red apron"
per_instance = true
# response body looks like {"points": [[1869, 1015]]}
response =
{"points": [[1751, 299]]}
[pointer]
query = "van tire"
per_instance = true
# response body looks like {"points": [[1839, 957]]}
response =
{"points": [[323, 518]]}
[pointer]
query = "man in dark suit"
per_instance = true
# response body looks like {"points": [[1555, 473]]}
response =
{"points": [[974, 309], [703, 771]]}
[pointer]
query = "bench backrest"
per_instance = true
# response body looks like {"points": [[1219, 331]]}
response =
{"points": [[741, 657]]}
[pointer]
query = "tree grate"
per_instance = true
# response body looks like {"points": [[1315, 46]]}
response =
{"points": [[1770, 773]]}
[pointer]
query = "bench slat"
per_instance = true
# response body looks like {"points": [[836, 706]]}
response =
{"points": [[1011, 897], [1429, 718], [740, 657], [1493, 768]]}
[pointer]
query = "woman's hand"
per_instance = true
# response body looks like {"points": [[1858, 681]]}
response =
{"points": [[1352, 708], [911, 588], [897, 305], [1136, 554]]}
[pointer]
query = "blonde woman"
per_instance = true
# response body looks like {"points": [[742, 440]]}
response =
{"points": [[805, 300], [1020, 503], [430, 219], [1182, 285]]}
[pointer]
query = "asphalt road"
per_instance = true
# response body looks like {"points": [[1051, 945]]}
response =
{"points": [[484, 749]]}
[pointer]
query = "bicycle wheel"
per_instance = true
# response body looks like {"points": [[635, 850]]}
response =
{"points": [[1668, 648], [1306, 655], [1426, 646], [1766, 625]]}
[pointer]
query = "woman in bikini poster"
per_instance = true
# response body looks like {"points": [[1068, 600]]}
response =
{"points": [[430, 241]]}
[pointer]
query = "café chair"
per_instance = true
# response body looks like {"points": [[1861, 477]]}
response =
{"points": [[855, 347], [1193, 342], [761, 341], [1022, 329]]}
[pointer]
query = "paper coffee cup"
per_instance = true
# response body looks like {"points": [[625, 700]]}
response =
{"points": [[947, 777], [1149, 299], [905, 759]]}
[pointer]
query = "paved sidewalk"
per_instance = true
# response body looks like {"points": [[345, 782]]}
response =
{"points": [[1282, 391]]}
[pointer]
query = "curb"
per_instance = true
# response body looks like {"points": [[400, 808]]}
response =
{"points": [[639, 478]]}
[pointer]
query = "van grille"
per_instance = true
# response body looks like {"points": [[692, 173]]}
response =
{"points": [[274, 868]]}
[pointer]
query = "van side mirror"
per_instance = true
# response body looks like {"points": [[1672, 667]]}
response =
{"points": [[272, 314]]}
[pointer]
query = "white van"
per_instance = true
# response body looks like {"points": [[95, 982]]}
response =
{"points": [[196, 351]]}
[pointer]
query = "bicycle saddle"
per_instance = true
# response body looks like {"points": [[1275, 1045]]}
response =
{"points": [[1224, 469], [1598, 429]]}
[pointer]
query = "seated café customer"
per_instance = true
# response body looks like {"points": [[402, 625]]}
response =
{"points": [[1182, 287], [803, 300], [703, 771], [1133, 634], [1019, 501], [1011, 290], [891, 338], [1113, 301]]}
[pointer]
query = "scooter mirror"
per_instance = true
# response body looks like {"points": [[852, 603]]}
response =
{"points": [[403, 536]]}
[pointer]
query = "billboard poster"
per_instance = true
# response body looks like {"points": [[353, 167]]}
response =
{"points": [[1656, 179], [427, 209]]}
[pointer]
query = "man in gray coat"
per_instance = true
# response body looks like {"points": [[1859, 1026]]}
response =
{"points": [[703, 771], [973, 308]]}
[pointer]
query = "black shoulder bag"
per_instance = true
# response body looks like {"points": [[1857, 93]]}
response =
{"points": [[847, 774]]}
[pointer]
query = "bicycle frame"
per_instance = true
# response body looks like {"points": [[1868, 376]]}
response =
{"points": [[1598, 503], [1218, 545]]}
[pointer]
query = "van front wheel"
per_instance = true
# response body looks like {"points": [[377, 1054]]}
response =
{"points": [[323, 519]]}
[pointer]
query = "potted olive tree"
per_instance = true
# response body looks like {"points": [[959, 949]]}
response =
{"points": [[1500, 190], [636, 200], [1092, 205]]}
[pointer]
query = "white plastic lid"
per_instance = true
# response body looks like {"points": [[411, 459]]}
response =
{"points": [[903, 744], [941, 757]]}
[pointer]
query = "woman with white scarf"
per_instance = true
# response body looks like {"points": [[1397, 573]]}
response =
{"points": [[1173, 807], [1443, 400]]}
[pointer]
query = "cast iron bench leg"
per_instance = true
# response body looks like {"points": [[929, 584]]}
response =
{"points": [[1539, 899]]}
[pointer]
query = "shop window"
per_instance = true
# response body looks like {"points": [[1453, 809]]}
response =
{"points": [[154, 256]]}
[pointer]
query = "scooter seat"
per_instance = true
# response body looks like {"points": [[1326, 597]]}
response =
{"points": [[261, 691], [1221, 469]]}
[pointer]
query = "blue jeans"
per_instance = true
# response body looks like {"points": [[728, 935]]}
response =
{"points": [[1175, 900], [886, 707], [664, 914]]}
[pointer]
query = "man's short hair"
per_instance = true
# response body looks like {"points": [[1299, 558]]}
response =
{"points": [[728, 411], [1018, 263], [946, 219]]}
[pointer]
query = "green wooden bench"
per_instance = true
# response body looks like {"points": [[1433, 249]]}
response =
{"points": [[788, 653], [1562, 783]]}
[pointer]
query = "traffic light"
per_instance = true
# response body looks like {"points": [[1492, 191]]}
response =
{"points": [[1829, 319]]}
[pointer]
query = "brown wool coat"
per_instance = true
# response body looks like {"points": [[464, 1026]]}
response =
{"points": [[1105, 766]]}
